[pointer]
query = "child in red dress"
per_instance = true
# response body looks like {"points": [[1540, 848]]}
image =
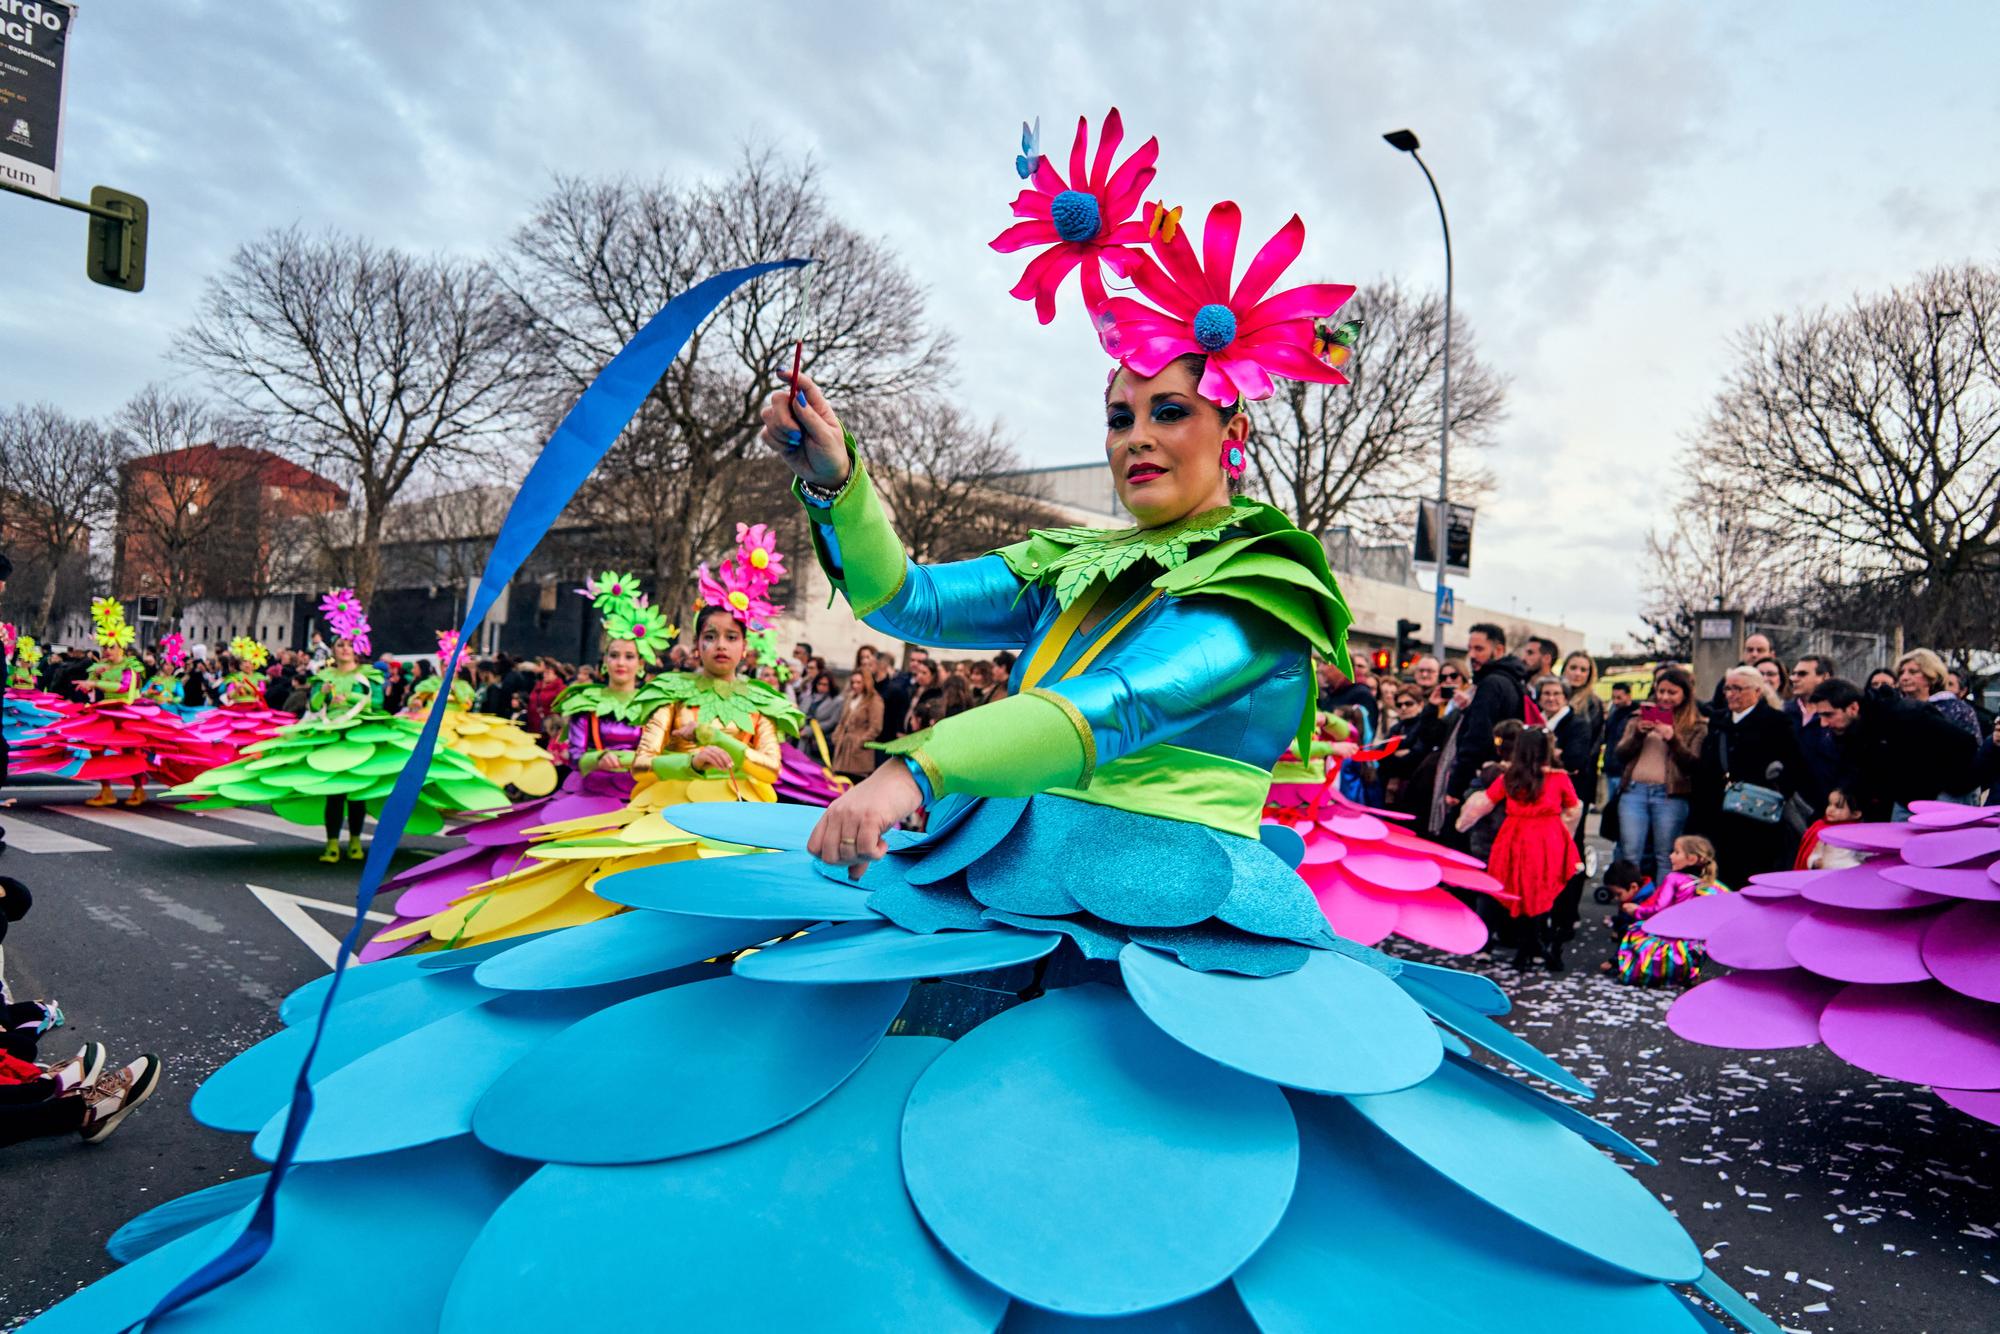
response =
{"points": [[1535, 852]]}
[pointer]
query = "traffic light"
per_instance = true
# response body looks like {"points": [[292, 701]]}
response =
{"points": [[117, 253], [1406, 642], [1381, 660]]}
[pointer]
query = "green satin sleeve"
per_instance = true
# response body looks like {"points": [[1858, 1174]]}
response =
{"points": [[1013, 747]]}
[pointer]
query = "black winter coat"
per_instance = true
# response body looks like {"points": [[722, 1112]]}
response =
{"points": [[1498, 690]]}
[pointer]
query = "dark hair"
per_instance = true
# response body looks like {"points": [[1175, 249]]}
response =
{"points": [[1528, 769], [1004, 659], [1838, 692], [1197, 364], [1821, 664], [1617, 686], [1490, 630], [1622, 873], [1505, 733], [701, 617], [807, 647], [823, 679], [1547, 646], [1688, 715]]}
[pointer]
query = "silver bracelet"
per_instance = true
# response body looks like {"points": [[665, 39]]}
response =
{"points": [[823, 497]]}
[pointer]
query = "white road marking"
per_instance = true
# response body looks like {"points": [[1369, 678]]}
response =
{"points": [[153, 827], [294, 913], [264, 820], [25, 837]]}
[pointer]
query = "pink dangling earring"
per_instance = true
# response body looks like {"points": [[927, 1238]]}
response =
{"points": [[1233, 461]]}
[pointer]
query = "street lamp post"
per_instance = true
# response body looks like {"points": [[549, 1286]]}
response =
{"points": [[1405, 141]]}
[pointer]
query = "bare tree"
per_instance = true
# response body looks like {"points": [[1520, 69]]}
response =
{"points": [[1868, 438], [376, 365], [1713, 552], [183, 493], [953, 485], [58, 480], [599, 258], [1362, 453]]}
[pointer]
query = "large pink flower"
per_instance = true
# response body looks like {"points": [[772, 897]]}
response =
{"points": [[757, 554], [1247, 335], [742, 598], [1085, 221]]}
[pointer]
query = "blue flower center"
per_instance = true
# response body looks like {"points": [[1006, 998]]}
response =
{"points": [[1215, 327], [1074, 212]]}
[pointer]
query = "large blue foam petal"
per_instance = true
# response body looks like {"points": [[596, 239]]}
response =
{"points": [[1218, 1311], [1210, 948], [1476, 1027], [1734, 1303], [247, 1091], [468, 956], [722, 1060], [1285, 841], [926, 909], [361, 980], [885, 953], [1055, 858], [632, 944], [775, 888], [970, 838], [1375, 1241], [1094, 937], [1478, 993], [423, 1086], [806, 1227], [1078, 1158], [422, 1208], [1332, 1026], [1592, 1129], [1266, 896], [782, 826], [176, 1218], [1537, 1171]]}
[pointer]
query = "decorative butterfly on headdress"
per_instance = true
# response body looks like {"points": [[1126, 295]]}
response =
{"points": [[1030, 159], [1162, 223], [1334, 344]]}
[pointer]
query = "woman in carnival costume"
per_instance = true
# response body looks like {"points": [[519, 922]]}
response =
{"points": [[29, 708], [1240, 1122], [121, 735], [709, 735], [242, 714], [498, 747], [604, 722], [339, 763]]}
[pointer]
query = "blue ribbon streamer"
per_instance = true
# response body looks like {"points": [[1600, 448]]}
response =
{"points": [[568, 458]]}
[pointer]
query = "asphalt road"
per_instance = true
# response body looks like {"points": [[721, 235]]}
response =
{"points": [[1845, 1204]]}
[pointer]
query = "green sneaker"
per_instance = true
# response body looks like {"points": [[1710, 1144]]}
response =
{"points": [[355, 852], [332, 853]]}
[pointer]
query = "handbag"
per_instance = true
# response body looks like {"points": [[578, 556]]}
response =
{"points": [[1765, 805]]}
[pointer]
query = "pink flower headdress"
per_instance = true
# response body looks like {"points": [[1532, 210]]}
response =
{"points": [[742, 582], [1247, 333], [173, 652], [348, 620], [447, 644], [1086, 222]]}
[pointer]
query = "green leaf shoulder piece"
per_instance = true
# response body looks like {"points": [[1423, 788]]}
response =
{"points": [[596, 698], [731, 703]]}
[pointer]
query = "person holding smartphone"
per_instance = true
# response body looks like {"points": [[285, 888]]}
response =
{"points": [[1658, 754]]}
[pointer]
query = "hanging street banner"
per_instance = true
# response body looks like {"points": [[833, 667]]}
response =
{"points": [[34, 42]]}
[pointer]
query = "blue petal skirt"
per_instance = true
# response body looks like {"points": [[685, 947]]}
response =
{"points": [[1050, 1067]]}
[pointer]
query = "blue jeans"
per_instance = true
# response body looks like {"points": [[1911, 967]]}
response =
{"points": [[1645, 808]]}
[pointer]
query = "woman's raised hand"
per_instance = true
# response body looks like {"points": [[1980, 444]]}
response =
{"points": [[804, 431]]}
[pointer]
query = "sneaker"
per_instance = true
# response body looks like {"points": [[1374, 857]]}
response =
{"points": [[113, 1097], [355, 852], [80, 1069], [332, 853]]}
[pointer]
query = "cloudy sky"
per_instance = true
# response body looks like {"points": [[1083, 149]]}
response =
{"points": [[1628, 183]]}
